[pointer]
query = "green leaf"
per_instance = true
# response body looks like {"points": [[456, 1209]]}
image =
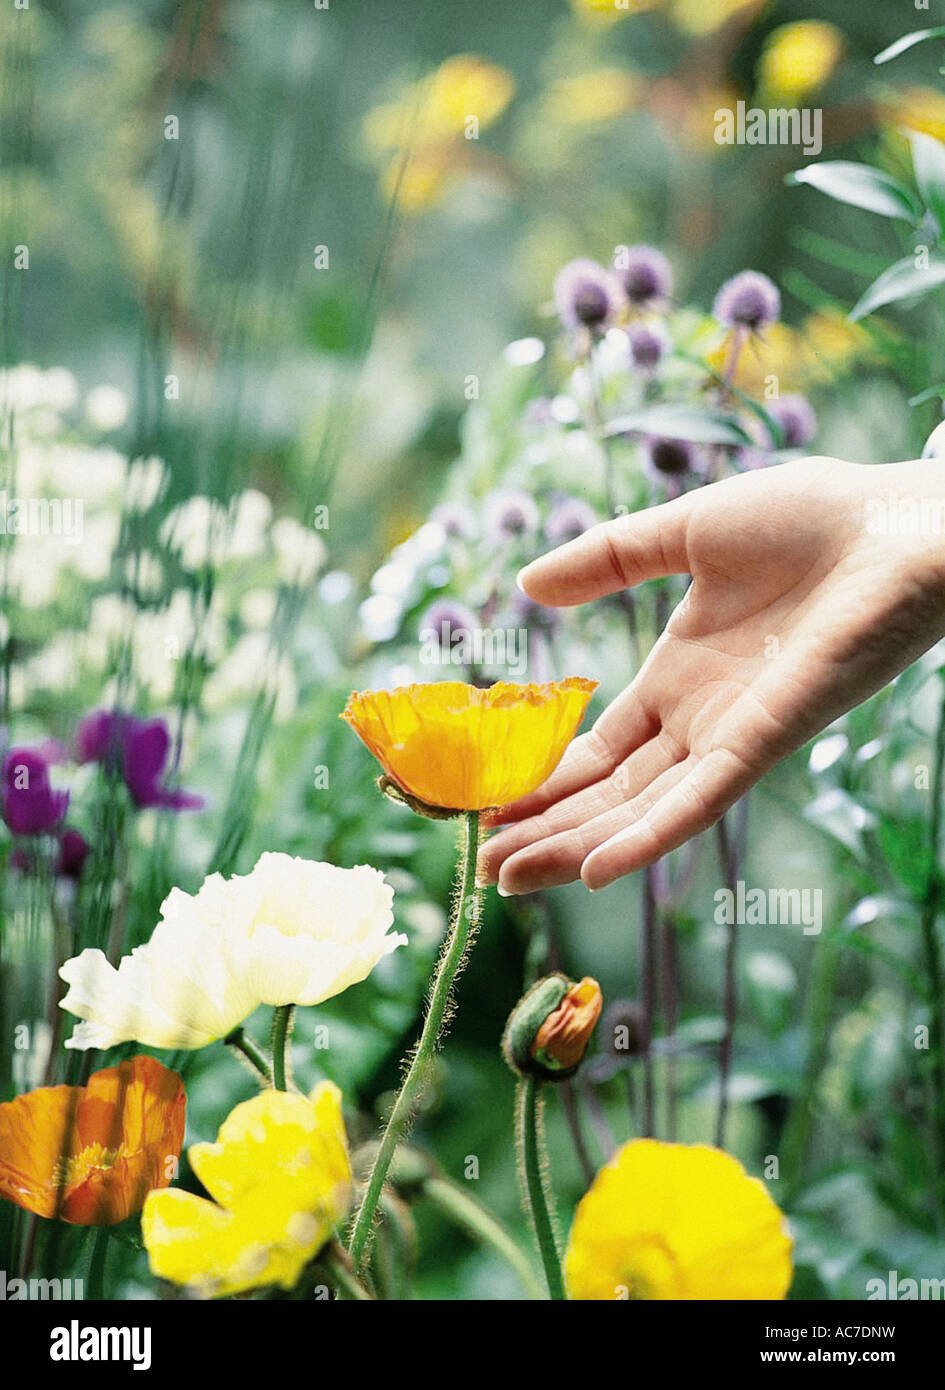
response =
{"points": [[928, 160], [861, 186], [682, 422], [904, 280], [904, 842], [909, 41]]}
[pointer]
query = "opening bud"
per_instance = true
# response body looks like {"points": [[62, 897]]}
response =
{"points": [[550, 1027]]}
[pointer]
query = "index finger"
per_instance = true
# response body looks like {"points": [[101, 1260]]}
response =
{"points": [[612, 556]]}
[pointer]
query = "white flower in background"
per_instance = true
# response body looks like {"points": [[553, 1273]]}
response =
{"points": [[258, 608], [145, 483], [251, 661], [106, 408], [301, 553], [292, 931], [196, 530], [27, 388], [93, 557], [251, 517]]}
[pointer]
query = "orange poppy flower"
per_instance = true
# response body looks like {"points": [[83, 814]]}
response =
{"points": [[453, 745], [90, 1154]]}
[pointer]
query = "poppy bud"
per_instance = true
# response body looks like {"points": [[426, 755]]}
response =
{"points": [[549, 1029]]}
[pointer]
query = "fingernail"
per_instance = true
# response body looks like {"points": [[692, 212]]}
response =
{"points": [[518, 578], [503, 892]]}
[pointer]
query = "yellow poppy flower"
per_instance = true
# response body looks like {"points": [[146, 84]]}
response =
{"points": [[280, 1178], [455, 746], [677, 1221]]}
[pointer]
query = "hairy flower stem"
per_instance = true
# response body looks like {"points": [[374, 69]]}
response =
{"points": [[463, 922], [729, 858], [253, 1054], [337, 1267], [534, 1171], [281, 1033]]}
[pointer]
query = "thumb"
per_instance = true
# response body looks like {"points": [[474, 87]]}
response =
{"points": [[612, 556]]}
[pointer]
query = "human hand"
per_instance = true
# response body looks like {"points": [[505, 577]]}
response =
{"points": [[802, 604]]}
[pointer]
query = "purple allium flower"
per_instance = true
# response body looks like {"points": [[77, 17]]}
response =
{"points": [[648, 345], [525, 612], [449, 621], [510, 514], [796, 417], [670, 458], [646, 275], [570, 518], [139, 749], [748, 300], [587, 296], [456, 520], [30, 806]]}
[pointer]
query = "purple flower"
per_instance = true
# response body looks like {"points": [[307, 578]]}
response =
{"points": [[510, 514], [30, 806], [570, 518], [648, 345], [587, 296], [70, 856], [525, 612], [138, 749], [449, 621], [796, 417], [669, 458], [646, 275], [456, 520], [748, 300], [73, 850]]}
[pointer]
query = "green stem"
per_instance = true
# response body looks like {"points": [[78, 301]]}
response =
{"points": [[462, 926], [281, 1032], [334, 1261], [534, 1169], [481, 1225], [97, 1265], [935, 969], [253, 1054]]}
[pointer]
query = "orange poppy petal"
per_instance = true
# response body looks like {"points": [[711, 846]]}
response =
{"points": [[91, 1154]]}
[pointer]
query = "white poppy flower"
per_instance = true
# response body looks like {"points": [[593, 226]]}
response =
{"points": [[291, 932]]}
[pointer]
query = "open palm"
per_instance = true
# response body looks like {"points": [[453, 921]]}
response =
{"points": [[797, 611]]}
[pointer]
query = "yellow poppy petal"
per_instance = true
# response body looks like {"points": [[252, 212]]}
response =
{"points": [[674, 1221], [457, 746]]}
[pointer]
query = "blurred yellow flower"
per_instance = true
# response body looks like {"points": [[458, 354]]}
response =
{"points": [[679, 1222], [599, 95], [610, 11], [455, 746], [280, 1178], [832, 344], [454, 103], [798, 58], [918, 108], [703, 16]]}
